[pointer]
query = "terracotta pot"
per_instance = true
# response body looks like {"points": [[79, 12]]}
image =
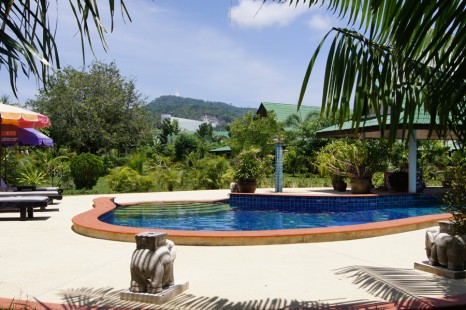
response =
{"points": [[361, 185], [246, 186], [339, 186]]}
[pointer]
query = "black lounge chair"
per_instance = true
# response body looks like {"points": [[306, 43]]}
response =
{"points": [[27, 188], [24, 204], [32, 188], [50, 194]]}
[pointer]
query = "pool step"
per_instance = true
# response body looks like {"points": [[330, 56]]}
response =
{"points": [[163, 210]]}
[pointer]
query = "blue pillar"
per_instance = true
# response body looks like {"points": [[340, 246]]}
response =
{"points": [[412, 168], [279, 166]]}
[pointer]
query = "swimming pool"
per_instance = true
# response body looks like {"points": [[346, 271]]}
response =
{"points": [[91, 224], [219, 216]]}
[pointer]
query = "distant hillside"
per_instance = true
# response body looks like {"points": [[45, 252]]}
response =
{"points": [[195, 109]]}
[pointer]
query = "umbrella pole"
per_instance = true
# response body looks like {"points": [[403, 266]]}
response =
{"points": [[1, 147]]}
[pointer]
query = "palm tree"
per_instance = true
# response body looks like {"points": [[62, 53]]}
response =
{"points": [[405, 57], [27, 38]]}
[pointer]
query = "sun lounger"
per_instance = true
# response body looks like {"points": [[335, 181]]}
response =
{"points": [[32, 188], [24, 204], [26, 188], [49, 194]]}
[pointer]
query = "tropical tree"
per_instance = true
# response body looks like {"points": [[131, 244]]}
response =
{"points": [[403, 57], [184, 144], [27, 34], [301, 133], [94, 110], [210, 173], [254, 131], [168, 129], [169, 178], [205, 132], [294, 161], [126, 180]]}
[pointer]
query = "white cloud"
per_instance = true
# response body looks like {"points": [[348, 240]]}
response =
{"points": [[165, 49], [257, 14], [321, 23]]}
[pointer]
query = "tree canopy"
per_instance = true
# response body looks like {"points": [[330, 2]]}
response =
{"points": [[27, 34], [254, 131], [191, 108], [405, 57], [94, 110]]}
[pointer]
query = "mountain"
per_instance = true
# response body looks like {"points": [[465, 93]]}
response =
{"points": [[196, 109]]}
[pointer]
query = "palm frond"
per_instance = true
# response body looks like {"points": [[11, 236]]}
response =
{"points": [[27, 38], [405, 56]]}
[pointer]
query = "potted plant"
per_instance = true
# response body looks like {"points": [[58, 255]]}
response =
{"points": [[355, 159], [338, 183], [249, 170], [398, 180]]}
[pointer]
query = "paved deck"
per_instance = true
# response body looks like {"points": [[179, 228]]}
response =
{"points": [[48, 266]]}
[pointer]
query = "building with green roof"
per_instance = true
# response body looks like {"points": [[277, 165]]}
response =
{"points": [[370, 128], [283, 110]]}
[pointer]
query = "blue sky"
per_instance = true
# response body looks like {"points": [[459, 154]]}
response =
{"points": [[240, 52]]}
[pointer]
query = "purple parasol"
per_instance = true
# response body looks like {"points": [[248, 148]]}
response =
{"points": [[12, 135]]}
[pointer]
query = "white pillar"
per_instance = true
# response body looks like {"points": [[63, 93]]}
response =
{"points": [[412, 160]]}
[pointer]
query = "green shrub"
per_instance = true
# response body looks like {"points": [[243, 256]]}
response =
{"points": [[184, 144], [137, 161], [211, 173], [125, 180], [111, 161], [169, 177], [455, 199], [378, 179], [86, 169], [293, 162], [63, 175], [31, 176]]}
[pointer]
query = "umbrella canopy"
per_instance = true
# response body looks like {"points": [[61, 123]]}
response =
{"points": [[22, 117], [13, 135]]}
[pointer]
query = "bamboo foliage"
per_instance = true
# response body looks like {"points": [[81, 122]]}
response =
{"points": [[27, 35], [404, 57]]}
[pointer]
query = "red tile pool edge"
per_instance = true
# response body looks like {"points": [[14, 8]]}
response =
{"points": [[455, 302], [89, 225]]}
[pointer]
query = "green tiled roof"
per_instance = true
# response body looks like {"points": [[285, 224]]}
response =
{"points": [[224, 149], [283, 110], [371, 122], [421, 122]]}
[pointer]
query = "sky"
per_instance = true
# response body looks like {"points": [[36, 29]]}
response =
{"points": [[242, 52]]}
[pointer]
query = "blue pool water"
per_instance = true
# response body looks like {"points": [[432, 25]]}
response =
{"points": [[222, 217]]}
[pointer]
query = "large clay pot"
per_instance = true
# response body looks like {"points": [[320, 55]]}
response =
{"points": [[361, 185], [339, 186], [246, 186]]}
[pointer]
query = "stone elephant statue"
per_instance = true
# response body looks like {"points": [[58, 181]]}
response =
{"points": [[446, 250], [152, 263]]}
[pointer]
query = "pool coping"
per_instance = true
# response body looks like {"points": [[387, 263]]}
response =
{"points": [[88, 224]]}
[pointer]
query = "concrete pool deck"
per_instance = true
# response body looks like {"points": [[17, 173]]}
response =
{"points": [[44, 264]]}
